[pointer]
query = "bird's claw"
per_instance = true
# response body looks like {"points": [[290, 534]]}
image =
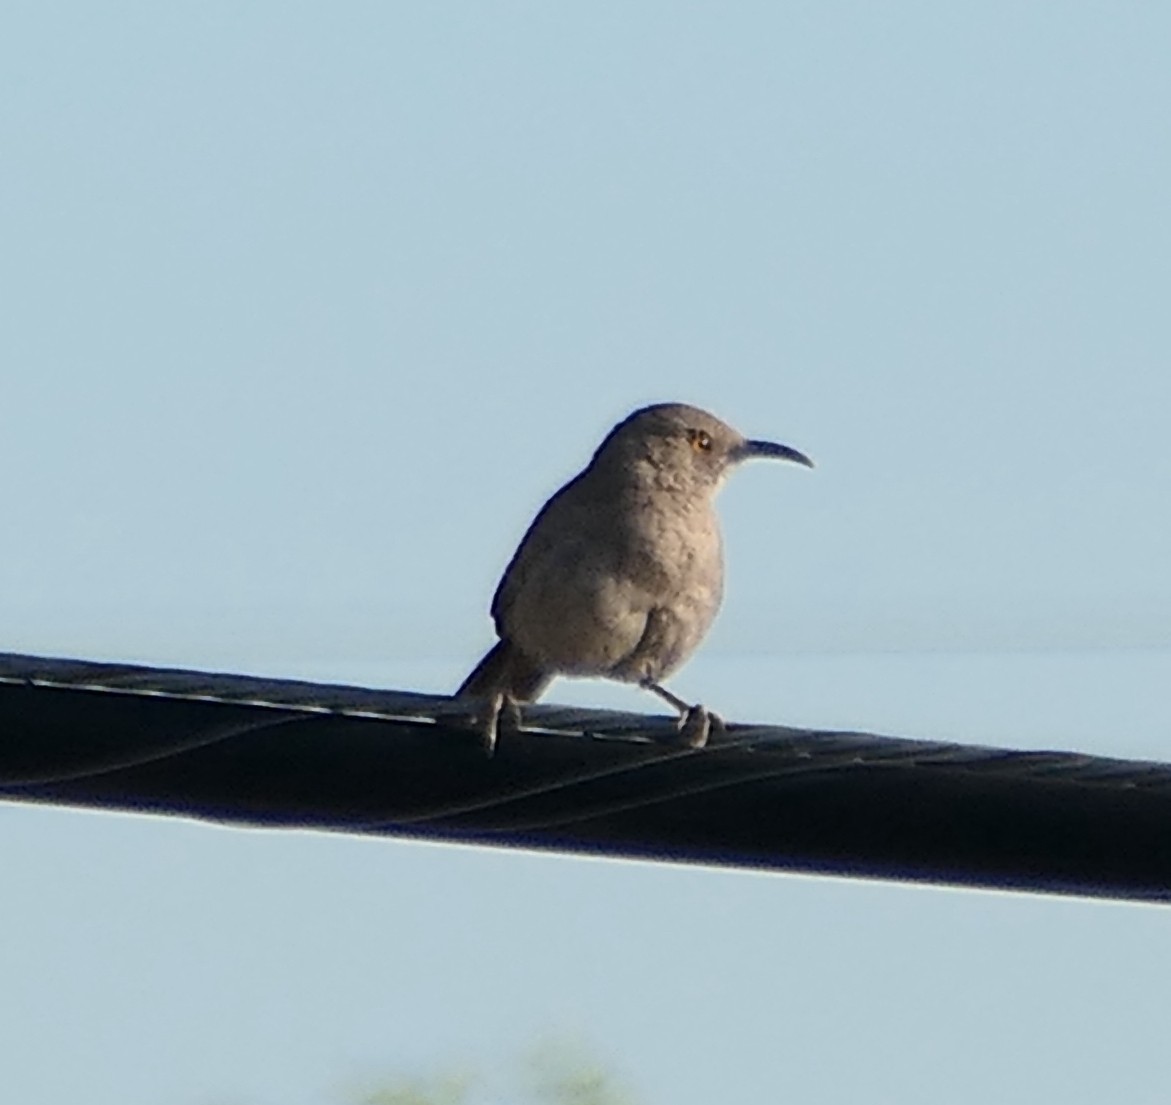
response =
{"points": [[501, 715], [697, 724]]}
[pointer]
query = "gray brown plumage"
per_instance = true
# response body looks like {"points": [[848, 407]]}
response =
{"points": [[621, 573]]}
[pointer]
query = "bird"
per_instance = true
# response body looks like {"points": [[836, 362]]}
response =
{"points": [[621, 573]]}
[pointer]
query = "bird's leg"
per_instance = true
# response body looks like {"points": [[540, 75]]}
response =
{"points": [[665, 695], [695, 722]]}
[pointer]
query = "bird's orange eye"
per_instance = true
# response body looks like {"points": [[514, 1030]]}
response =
{"points": [[701, 440]]}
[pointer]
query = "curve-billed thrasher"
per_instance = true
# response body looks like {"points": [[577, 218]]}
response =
{"points": [[622, 571]]}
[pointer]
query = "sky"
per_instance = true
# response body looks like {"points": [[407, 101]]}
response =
{"points": [[308, 308]]}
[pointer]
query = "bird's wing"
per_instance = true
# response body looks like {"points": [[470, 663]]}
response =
{"points": [[550, 521]]}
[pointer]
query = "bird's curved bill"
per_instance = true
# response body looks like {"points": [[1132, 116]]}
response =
{"points": [[750, 449]]}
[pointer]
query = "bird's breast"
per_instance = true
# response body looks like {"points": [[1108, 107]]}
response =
{"points": [[674, 551], [584, 587]]}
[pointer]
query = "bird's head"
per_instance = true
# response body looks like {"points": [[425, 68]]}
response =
{"points": [[677, 447]]}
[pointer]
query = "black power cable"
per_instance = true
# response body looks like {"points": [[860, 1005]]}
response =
{"points": [[286, 753]]}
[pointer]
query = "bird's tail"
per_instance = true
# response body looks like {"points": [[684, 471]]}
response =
{"points": [[508, 671]]}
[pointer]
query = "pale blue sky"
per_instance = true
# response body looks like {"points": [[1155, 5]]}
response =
{"points": [[309, 306]]}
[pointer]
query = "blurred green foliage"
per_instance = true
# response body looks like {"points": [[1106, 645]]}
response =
{"points": [[555, 1072]]}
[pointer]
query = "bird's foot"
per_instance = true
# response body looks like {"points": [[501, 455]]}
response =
{"points": [[510, 719], [697, 724], [489, 722], [501, 714]]}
